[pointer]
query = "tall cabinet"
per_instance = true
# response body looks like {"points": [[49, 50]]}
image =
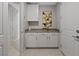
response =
{"points": [[69, 25], [4, 29], [1, 29]]}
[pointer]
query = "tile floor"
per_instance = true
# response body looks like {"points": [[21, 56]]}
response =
{"points": [[42, 52], [13, 51]]}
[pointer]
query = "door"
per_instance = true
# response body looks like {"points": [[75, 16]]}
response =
{"points": [[32, 12], [13, 19], [69, 25], [0, 29], [52, 40], [4, 28], [42, 39], [31, 40]]}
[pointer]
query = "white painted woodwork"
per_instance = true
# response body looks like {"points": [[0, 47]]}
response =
{"points": [[1, 29], [1, 18], [1, 46], [0, 51], [4, 28], [32, 12], [31, 40], [52, 40], [69, 24], [41, 40]]}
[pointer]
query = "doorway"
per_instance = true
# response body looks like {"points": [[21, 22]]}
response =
{"points": [[13, 17]]}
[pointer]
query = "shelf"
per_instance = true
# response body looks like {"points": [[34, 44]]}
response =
{"points": [[33, 23]]}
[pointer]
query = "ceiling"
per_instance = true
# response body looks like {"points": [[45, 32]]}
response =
{"points": [[43, 3], [47, 3]]}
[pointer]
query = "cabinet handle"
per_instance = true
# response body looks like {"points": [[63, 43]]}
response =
{"points": [[49, 38], [42, 34], [76, 37], [36, 38], [76, 40]]}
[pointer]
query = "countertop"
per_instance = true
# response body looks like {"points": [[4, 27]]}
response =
{"points": [[42, 31]]}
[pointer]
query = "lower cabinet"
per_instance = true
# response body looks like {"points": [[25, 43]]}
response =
{"points": [[1, 46], [52, 40], [41, 39], [76, 43], [31, 40], [0, 51]]}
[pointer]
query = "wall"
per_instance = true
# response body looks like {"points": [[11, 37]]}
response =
{"points": [[69, 24], [55, 23]]}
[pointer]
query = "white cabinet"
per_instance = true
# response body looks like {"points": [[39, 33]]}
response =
{"points": [[0, 51], [52, 40], [32, 12], [1, 28], [69, 25], [41, 40], [76, 48], [0, 46], [30, 40]]}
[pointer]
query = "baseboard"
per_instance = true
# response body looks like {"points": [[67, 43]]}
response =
{"points": [[41, 47], [62, 52]]}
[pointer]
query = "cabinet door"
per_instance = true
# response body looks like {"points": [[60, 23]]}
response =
{"points": [[0, 51], [30, 40], [52, 40], [32, 12], [0, 18], [1, 46], [42, 39], [1, 29], [76, 43]]}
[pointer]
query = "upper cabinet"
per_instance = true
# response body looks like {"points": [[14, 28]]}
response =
{"points": [[32, 12]]}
